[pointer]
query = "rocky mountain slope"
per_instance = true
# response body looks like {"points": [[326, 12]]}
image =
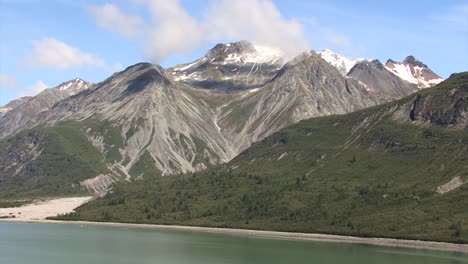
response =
{"points": [[410, 70], [396, 170], [378, 79], [146, 119], [24, 111], [414, 71], [13, 104]]}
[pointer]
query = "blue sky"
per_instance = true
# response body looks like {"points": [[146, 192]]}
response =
{"points": [[45, 43]]}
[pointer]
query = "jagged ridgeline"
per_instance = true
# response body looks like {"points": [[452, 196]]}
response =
{"points": [[395, 170], [148, 121]]}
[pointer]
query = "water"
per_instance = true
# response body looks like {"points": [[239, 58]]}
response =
{"points": [[52, 243]]}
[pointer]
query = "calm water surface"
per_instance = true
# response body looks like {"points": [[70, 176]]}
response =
{"points": [[52, 243]]}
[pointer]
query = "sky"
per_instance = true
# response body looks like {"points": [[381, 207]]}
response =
{"points": [[45, 43]]}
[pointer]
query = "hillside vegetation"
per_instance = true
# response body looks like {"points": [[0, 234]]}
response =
{"points": [[51, 161], [374, 172]]}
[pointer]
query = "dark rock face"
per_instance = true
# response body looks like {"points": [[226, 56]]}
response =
{"points": [[449, 109], [380, 80], [221, 51], [411, 60], [414, 71], [19, 150]]}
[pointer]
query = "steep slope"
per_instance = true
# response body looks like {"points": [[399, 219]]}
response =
{"points": [[376, 172], [414, 71], [305, 87], [153, 114], [19, 117], [342, 63], [51, 161], [144, 120], [380, 80], [13, 104], [138, 120]]}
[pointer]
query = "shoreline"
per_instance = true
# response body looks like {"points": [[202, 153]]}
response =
{"points": [[386, 242], [39, 209]]}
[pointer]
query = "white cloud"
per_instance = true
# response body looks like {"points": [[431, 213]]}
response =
{"points": [[109, 17], [258, 21], [33, 90], [172, 31], [6, 81], [38, 87], [52, 53]]}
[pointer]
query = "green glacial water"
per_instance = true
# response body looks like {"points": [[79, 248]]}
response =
{"points": [[22, 243]]}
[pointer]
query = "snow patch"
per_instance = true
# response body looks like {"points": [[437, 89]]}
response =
{"points": [[342, 63], [404, 72], [412, 74]]}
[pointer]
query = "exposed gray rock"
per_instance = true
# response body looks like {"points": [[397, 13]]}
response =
{"points": [[380, 80], [231, 67], [13, 104], [26, 113], [414, 71]]}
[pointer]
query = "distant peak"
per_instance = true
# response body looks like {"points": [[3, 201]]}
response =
{"points": [[411, 60], [241, 52], [73, 84], [223, 49], [342, 63], [327, 51], [139, 66], [301, 58]]}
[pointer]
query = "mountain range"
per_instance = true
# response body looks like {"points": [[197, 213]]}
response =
{"points": [[147, 120], [394, 170]]}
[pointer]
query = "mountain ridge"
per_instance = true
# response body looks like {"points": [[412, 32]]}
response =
{"points": [[144, 120], [376, 172]]}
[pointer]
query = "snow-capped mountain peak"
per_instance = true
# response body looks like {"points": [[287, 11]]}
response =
{"points": [[74, 86], [236, 61], [414, 71], [342, 63], [242, 52], [411, 60]]}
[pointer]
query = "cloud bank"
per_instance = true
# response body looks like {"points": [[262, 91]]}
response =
{"points": [[110, 17], [258, 21], [34, 89], [52, 53], [172, 31]]}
